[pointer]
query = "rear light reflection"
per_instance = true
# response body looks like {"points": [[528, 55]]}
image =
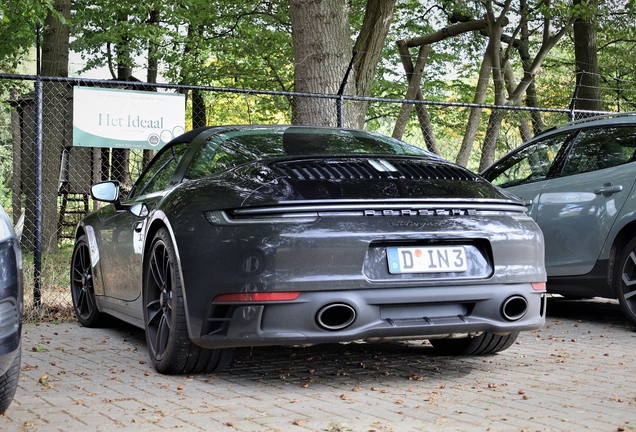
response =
{"points": [[538, 286], [257, 297]]}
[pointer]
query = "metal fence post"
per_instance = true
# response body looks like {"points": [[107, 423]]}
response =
{"points": [[577, 86], [340, 100], [37, 244]]}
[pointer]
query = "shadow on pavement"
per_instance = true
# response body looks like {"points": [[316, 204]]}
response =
{"points": [[361, 362], [596, 310]]}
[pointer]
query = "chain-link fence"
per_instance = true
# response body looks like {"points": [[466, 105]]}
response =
{"points": [[45, 180]]}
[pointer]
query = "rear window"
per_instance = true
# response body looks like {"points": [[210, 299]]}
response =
{"points": [[232, 148]]}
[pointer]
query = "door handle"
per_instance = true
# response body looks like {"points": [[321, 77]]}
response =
{"points": [[137, 226], [608, 189]]}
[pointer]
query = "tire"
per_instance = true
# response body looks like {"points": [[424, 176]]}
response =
{"points": [[484, 344], [82, 288], [9, 383], [625, 280], [170, 348]]}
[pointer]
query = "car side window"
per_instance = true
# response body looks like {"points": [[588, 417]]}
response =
{"points": [[598, 149], [216, 156], [528, 165], [158, 174]]}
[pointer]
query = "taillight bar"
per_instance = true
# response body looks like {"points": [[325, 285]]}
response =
{"points": [[257, 297]]}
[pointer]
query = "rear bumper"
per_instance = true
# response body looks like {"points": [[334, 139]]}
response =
{"points": [[408, 313]]}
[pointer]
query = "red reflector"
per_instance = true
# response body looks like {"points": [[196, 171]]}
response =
{"points": [[538, 286], [257, 297]]}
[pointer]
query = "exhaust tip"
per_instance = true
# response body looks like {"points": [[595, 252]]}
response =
{"points": [[336, 316], [514, 308]]}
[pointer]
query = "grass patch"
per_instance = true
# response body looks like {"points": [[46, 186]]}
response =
{"points": [[55, 294]]}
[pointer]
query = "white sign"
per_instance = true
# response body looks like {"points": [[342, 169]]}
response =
{"points": [[126, 118]]}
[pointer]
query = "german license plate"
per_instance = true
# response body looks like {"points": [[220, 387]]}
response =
{"points": [[429, 259]]}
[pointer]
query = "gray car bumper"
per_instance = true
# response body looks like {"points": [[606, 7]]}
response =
{"points": [[409, 313]]}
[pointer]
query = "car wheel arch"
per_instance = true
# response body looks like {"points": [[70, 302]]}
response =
{"points": [[80, 231], [621, 239], [160, 220]]}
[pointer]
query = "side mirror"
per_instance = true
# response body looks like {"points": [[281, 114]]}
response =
{"points": [[140, 210], [107, 191]]}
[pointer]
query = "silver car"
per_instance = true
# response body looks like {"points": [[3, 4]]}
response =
{"points": [[577, 181]]}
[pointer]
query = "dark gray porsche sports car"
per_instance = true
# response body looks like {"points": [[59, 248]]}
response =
{"points": [[281, 235]]}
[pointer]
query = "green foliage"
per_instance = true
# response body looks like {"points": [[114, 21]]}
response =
{"points": [[18, 23], [249, 45], [616, 55], [222, 43]]}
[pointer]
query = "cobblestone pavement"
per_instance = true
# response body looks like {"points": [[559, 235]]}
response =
{"points": [[578, 372]]}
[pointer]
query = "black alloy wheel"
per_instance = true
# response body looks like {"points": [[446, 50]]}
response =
{"points": [[625, 281], [82, 289], [169, 345]]}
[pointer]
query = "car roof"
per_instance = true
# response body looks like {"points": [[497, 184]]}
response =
{"points": [[191, 135], [614, 119], [607, 120]]}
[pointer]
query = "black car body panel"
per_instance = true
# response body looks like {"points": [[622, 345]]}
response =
{"points": [[10, 302], [290, 246], [11, 310]]}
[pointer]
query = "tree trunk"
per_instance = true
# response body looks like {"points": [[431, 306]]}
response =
{"points": [[151, 77], [375, 27], [472, 126], [490, 142], [199, 114], [321, 38], [414, 76], [586, 57], [495, 31], [120, 157], [482, 84], [524, 54], [446, 32], [500, 64], [524, 127], [55, 114], [199, 110], [16, 188]]}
